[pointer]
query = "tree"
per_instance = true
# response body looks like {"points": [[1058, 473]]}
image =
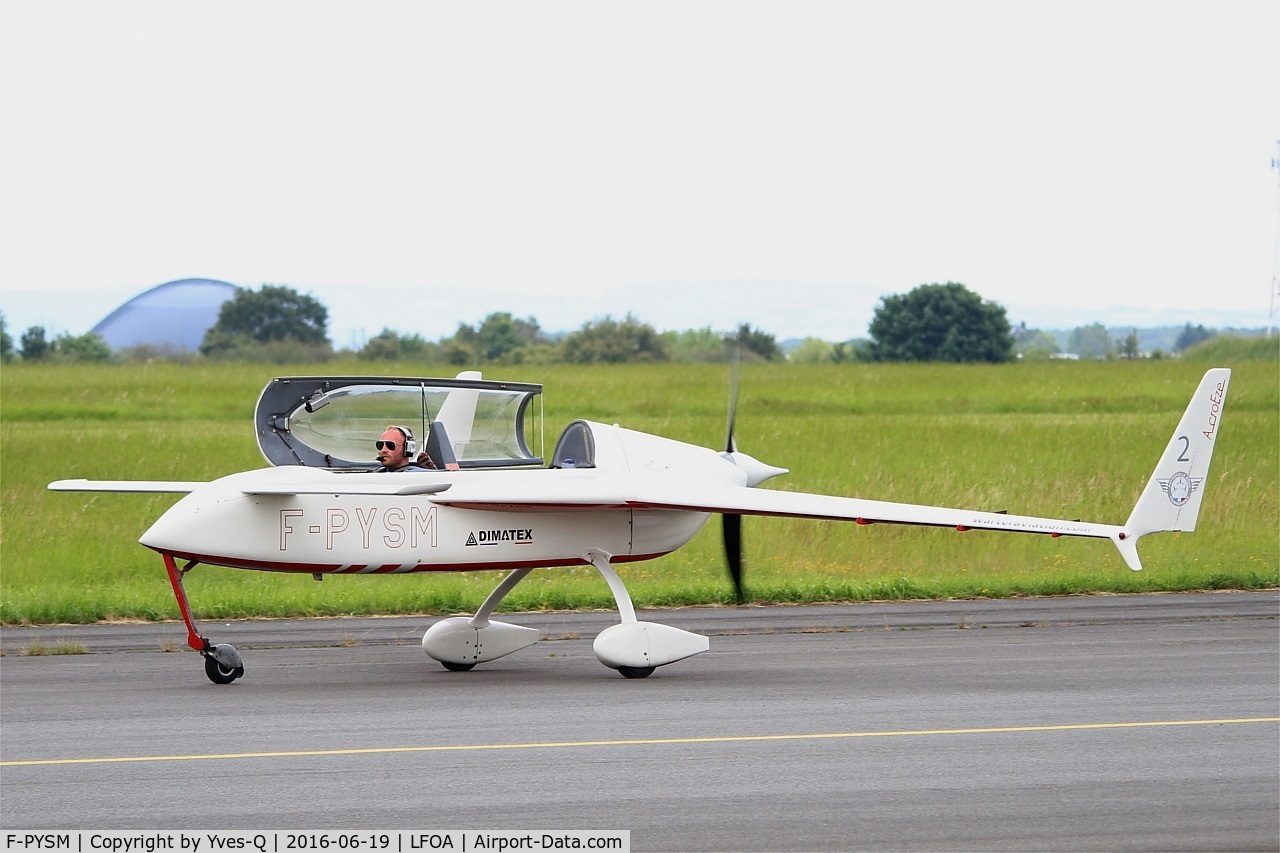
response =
{"points": [[81, 348], [848, 352], [754, 342], [35, 346], [1091, 341], [940, 322], [458, 352], [1033, 344], [695, 345], [392, 346], [1128, 345], [274, 314], [1190, 336], [614, 341], [6, 340], [813, 351], [499, 337]]}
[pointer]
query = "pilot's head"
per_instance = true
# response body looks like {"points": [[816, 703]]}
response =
{"points": [[394, 447]]}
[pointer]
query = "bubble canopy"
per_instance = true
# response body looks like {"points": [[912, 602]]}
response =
{"points": [[333, 421]]}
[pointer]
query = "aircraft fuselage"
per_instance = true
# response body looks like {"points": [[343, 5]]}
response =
{"points": [[221, 524]]}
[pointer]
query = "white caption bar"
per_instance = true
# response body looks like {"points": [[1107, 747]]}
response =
{"points": [[281, 841]]}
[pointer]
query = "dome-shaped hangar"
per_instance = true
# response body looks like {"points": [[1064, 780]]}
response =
{"points": [[174, 315]]}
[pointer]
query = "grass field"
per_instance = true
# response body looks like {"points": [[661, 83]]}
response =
{"points": [[1069, 440]]}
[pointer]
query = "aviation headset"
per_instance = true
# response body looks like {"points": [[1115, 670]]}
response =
{"points": [[410, 446]]}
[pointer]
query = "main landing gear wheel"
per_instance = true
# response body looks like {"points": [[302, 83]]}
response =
{"points": [[636, 671], [457, 667], [220, 674]]}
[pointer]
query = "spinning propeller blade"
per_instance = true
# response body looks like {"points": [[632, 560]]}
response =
{"points": [[733, 552], [732, 522], [729, 445]]}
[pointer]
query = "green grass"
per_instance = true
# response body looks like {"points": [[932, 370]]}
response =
{"points": [[1226, 349], [1072, 440]]}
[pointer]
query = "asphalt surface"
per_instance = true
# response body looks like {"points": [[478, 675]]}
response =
{"points": [[1089, 723]]}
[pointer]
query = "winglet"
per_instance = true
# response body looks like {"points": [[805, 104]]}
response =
{"points": [[1172, 497]]}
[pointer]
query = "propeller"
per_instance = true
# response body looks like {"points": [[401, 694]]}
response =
{"points": [[732, 522]]}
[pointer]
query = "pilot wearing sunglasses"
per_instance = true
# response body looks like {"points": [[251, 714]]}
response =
{"points": [[395, 450]]}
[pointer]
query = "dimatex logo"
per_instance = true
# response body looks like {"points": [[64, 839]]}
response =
{"points": [[515, 535]]}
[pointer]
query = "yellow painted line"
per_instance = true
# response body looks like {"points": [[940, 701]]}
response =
{"points": [[383, 750]]}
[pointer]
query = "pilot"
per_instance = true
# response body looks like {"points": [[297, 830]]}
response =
{"points": [[395, 450]]}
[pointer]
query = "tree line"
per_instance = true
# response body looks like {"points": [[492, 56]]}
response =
{"points": [[934, 322]]}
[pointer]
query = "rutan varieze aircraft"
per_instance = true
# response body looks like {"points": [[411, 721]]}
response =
{"points": [[608, 495]]}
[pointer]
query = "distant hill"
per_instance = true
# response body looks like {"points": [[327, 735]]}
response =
{"points": [[1225, 349]]}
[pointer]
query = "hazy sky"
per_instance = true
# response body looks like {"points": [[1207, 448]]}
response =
{"points": [[417, 165]]}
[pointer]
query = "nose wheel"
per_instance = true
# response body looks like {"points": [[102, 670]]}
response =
{"points": [[222, 664]]}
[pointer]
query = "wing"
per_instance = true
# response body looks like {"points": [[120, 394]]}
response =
{"points": [[183, 487], [693, 495], [162, 486], [749, 501]]}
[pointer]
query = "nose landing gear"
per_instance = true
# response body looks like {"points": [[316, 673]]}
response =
{"points": [[222, 661]]}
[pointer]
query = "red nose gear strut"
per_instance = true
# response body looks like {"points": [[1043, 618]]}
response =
{"points": [[222, 661]]}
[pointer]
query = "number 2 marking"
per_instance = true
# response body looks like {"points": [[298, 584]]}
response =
{"points": [[1186, 445]]}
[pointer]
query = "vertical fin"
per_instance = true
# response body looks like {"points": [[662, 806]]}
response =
{"points": [[1172, 497]]}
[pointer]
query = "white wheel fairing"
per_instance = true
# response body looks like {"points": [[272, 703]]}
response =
{"points": [[639, 645], [457, 641]]}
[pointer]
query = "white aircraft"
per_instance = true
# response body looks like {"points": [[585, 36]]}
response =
{"points": [[608, 495]]}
